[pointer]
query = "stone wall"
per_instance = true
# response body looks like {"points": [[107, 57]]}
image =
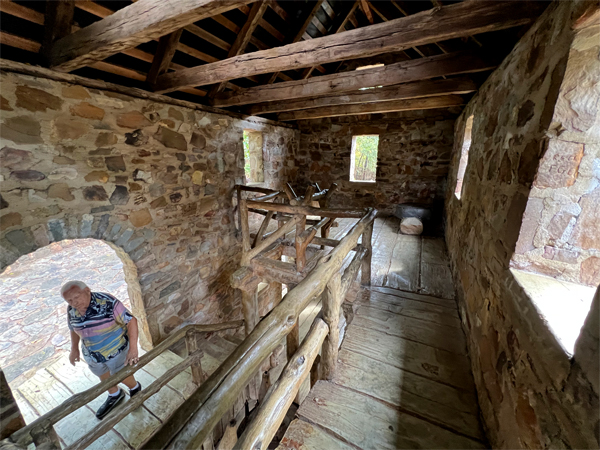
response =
{"points": [[531, 394], [412, 165], [153, 179], [560, 236]]}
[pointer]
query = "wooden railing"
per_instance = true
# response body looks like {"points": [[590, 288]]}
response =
{"points": [[196, 418], [41, 432]]}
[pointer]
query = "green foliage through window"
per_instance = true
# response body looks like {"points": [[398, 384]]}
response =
{"points": [[363, 166]]}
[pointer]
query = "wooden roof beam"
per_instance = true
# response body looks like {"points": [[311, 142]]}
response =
{"points": [[416, 89], [167, 45], [445, 101], [135, 24], [448, 22], [401, 72]]}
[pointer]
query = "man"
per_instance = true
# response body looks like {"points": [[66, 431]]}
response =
{"points": [[108, 335]]}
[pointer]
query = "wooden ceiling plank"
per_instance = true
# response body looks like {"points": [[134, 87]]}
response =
{"points": [[93, 8], [22, 12], [243, 38], [300, 34], [167, 45], [416, 89], [442, 101], [329, 10], [456, 20], [128, 27], [401, 72]]}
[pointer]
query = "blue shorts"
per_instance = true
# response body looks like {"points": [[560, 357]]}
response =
{"points": [[112, 365]]}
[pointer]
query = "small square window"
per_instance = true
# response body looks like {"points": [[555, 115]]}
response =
{"points": [[253, 156], [464, 157], [363, 159]]}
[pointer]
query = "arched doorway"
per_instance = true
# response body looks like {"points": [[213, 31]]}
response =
{"points": [[33, 326]]}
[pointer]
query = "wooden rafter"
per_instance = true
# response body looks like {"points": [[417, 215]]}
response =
{"points": [[445, 101], [57, 23], [448, 22], [301, 32], [416, 89], [243, 38], [128, 27], [364, 6], [402, 72], [167, 45]]}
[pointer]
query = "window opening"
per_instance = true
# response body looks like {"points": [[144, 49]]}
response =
{"points": [[363, 159], [253, 156], [464, 157]]}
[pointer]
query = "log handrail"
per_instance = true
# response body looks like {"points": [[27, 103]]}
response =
{"points": [[189, 426], [308, 210], [42, 424]]}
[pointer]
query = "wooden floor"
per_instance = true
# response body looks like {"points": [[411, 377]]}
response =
{"points": [[403, 377]]}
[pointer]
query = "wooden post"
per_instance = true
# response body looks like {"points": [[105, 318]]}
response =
{"points": [[300, 227], [250, 309], [193, 346], [367, 236], [244, 226], [314, 371], [332, 302]]}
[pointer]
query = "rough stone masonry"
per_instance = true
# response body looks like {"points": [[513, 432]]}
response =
{"points": [[152, 179]]}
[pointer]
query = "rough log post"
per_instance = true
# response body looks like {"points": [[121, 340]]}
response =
{"points": [[250, 309], [195, 419], [289, 191], [331, 315], [272, 412], [366, 262], [192, 344], [269, 239], [300, 227], [46, 440], [292, 340], [244, 226]]}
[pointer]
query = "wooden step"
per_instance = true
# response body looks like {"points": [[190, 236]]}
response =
{"points": [[368, 423]]}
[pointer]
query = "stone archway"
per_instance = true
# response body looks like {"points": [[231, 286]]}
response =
{"points": [[33, 329]]}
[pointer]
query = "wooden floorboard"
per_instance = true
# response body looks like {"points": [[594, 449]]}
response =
{"points": [[448, 303], [439, 365], [414, 309], [383, 247], [303, 435], [414, 394], [405, 264], [395, 303], [367, 423], [438, 336], [436, 280]]}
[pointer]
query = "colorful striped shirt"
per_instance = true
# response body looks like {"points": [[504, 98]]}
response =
{"points": [[103, 328]]}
